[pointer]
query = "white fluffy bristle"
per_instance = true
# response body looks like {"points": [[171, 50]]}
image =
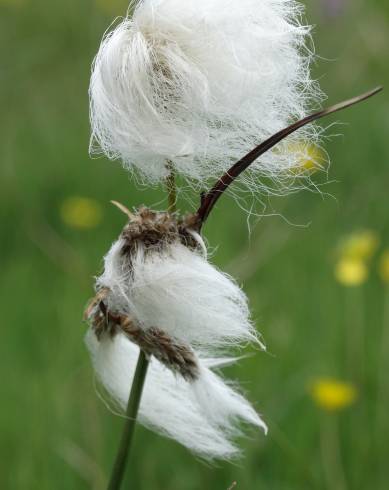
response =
{"points": [[174, 289], [200, 83], [178, 291], [203, 416]]}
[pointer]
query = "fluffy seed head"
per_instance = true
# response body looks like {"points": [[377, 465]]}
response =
{"points": [[204, 415], [199, 83], [159, 292], [157, 274]]}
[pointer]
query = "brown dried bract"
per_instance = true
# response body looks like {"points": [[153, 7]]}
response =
{"points": [[156, 228], [175, 355]]}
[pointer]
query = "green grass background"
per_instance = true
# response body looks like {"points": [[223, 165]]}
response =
{"points": [[55, 432]]}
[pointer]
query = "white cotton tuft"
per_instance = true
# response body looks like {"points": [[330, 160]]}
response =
{"points": [[178, 291], [200, 83], [203, 415]]}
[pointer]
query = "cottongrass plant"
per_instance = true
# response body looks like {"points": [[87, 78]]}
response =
{"points": [[201, 82], [189, 87]]}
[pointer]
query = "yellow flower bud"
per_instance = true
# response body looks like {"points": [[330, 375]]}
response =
{"points": [[351, 272], [333, 395], [310, 157], [360, 245], [81, 212]]}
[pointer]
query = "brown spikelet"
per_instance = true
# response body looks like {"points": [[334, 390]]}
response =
{"points": [[155, 229], [94, 303], [175, 355], [172, 353]]}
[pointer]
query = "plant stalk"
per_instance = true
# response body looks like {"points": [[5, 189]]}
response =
{"points": [[171, 188], [139, 376], [129, 426]]}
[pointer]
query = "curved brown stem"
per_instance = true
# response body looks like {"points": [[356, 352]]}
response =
{"points": [[209, 199]]}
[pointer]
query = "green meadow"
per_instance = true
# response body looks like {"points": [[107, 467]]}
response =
{"points": [[323, 384]]}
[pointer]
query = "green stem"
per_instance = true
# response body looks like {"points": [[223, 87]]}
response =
{"points": [[139, 376], [129, 427], [171, 189]]}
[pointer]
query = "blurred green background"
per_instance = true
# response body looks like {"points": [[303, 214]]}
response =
{"points": [[319, 291]]}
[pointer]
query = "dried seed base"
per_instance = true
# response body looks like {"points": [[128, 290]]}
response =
{"points": [[152, 230]]}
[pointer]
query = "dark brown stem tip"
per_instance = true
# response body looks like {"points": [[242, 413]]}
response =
{"points": [[209, 199], [349, 103]]}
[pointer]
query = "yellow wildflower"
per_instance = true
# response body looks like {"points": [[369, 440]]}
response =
{"points": [[360, 245], [383, 267], [333, 395], [351, 272], [310, 157], [81, 212]]}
